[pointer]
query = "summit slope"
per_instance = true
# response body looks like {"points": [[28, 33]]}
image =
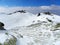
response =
{"points": [[29, 29]]}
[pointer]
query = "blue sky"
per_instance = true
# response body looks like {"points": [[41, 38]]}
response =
{"points": [[33, 6], [28, 2]]}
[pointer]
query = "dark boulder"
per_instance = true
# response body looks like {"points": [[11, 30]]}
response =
{"points": [[2, 26], [38, 14]]}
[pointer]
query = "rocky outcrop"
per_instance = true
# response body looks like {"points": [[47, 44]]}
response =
{"points": [[11, 41], [7, 39], [2, 26], [48, 13], [38, 14], [21, 11]]}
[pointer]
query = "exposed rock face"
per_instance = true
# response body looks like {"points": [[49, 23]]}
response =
{"points": [[2, 26], [47, 13], [21, 11], [38, 14]]}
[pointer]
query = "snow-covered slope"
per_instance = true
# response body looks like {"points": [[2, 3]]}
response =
{"points": [[43, 17], [30, 29], [24, 19], [16, 19]]}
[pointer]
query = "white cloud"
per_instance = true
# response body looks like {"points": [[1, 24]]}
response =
{"points": [[52, 8]]}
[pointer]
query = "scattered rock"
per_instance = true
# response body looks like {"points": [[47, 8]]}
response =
{"points": [[57, 25], [49, 20], [48, 13], [21, 11]]}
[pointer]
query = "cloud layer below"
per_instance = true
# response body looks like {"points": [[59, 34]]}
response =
{"points": [[53, 8]]}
